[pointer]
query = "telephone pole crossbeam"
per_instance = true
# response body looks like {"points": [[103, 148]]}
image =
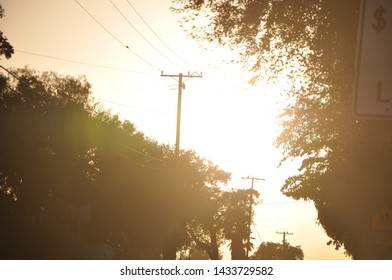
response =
{"points": [[181, 86], [284, 235]]}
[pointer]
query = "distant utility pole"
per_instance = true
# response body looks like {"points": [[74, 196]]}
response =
{"points": [[250, 208], [181, 86], [284, 236]]}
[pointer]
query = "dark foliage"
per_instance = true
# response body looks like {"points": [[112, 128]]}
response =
{"points": [[72, 174], [6, 48], [346, 162], [277, 251]]}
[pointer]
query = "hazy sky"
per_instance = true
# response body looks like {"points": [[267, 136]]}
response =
{"points": [[223, 118]]}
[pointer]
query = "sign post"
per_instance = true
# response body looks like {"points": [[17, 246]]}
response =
{"points": [[373, 79]]}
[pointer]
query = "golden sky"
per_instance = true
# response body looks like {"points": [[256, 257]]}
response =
{"points": [[223, 118]]}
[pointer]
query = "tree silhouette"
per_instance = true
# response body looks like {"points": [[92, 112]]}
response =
{"points": [[346, 162], [237, 218], [72, 174], [223, 216], [37, 162], [6, 48], [277, 251]]}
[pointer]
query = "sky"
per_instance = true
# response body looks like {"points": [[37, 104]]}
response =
{"points": [[122, 47]]}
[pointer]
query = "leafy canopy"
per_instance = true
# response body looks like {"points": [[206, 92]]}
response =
{"points": [[276, 251], [60, 152], [6, 48], [346, 162]]}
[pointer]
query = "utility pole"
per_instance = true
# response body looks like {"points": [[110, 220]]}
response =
{"points": [[284, 236], [253, 179], [170, 252], [181, 86]]}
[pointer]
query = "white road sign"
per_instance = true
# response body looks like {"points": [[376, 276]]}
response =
{"points": [[373, 81]]}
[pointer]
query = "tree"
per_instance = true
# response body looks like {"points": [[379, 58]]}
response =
{"points": [[346, 162], [60, 152], [41, 152], [277, 251], [206, 225], [158, 196], [225, 215], [5, 47], [204, 218], [238, 218]]}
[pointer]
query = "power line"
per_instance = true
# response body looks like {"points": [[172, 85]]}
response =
{"points": [[148, 156], [258, 234], [141, 164], [104, 100], [82, 63], [270, 219], [114, 37], [131, 149], [159, 38], [100, 24], [129, 22], [118, 89], [19, 79], [128, 106], [11, 89], [9, 72]]}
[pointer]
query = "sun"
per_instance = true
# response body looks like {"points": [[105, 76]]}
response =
{"points": [[228, 121]]}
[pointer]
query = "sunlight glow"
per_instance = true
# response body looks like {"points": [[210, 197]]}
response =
{"points": [[224, 118]]}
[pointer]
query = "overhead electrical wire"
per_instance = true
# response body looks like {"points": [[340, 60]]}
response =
{"points": [[134, 28], [257, 232], [103, 27], [100, 99], [141, 164], [114, 37], [19, 79], [147, 156], [82, 63], [9, 72], [128, 106], [159, 38]]}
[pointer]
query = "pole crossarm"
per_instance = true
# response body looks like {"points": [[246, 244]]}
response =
{"points": [[253, 179], [284, 235], [189, 75]]}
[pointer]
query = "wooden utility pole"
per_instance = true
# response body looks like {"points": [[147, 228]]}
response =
{"points": [[181, 86], [284, 236], [253, 179], [170, 252]]}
